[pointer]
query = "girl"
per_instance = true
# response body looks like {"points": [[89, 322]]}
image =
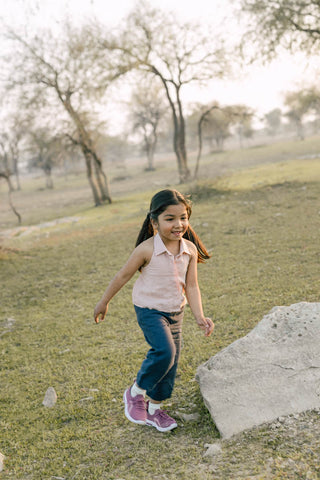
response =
{"points": [[166, 254]]}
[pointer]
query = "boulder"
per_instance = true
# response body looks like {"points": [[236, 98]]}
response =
{"points": [[2, 457], [273, 371]]}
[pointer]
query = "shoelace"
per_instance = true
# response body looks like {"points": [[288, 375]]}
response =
{"points": [[139, 403], [163, 414]]}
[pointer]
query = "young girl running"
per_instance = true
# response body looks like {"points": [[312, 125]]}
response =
{"points": [[166, 254]]}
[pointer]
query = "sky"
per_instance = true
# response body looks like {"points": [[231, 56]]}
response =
{"points": [[260, 87]]}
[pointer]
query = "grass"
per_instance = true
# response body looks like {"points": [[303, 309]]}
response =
{"points": [[265, 252], [278, 173], [72, 196]]}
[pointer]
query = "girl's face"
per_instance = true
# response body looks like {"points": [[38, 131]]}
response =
{"points": [[172, 223]]}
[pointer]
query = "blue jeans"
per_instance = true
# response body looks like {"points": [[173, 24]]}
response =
{"points": [[163, 332]]}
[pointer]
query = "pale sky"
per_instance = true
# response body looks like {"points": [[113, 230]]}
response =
{"points": [[260, 87]]}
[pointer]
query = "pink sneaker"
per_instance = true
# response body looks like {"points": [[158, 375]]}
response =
{"points": [[135, 407], [161, 420]]}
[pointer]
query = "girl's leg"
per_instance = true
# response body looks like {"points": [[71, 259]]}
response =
{"points": [[155, 416], [164, 387], [158, 370]]}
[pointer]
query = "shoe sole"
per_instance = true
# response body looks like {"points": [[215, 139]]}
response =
{"points": [[161, 429], [127, 414]]}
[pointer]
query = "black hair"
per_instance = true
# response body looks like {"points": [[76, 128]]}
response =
{"points": [[159, 202]]}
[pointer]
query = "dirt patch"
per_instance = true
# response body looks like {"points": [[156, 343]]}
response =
{"points": [[23, 231], [270, 452]]}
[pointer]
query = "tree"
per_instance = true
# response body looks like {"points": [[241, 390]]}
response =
{"points": [[241, 118], [63, 70], [5, 160], [14, 129], [205, 112], [147, 110], [273, 121], [217, 126], [45, 152], [7, 178], [314, 100], [300, 103], [177, 54], [293, 24]]}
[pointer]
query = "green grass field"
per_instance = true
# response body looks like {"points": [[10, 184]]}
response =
{"points": [[261, 226]]}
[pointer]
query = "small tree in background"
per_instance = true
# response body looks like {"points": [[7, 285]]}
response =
{"points": [[45, 152], [5, 164], [217, 126], [201, 114], [299, 104], [148, 108], [15, 126], [241, 117], [273, 121]]}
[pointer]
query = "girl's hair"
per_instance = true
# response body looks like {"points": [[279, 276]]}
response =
{"points": [[159, 202]]}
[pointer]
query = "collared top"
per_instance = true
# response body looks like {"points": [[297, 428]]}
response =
{"points": [[162, 282]]}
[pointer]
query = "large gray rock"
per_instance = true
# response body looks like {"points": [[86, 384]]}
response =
{"points": [[2, 457], [273, 371]]}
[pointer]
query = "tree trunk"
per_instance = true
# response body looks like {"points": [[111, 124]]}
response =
{"points": [[201, 121], [150, 157], [16, 173], [184, 169], [7, 178], [95, 192], [176, 143], [150, 144], [100, 188], [195, 175], [178, 130], [11, 187], [185, 172], [101, 178], [49, 182]]}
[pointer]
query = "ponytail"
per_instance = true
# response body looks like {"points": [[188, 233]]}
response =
{"points": [[146, 230], [193, 237]]}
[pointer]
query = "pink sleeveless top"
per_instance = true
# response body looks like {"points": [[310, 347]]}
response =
{"points": [[161, 283]]}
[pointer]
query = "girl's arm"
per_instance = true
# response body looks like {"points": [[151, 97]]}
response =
{"points": [[194, 296], [138, 258]]}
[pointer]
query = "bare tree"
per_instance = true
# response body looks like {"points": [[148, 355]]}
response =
{"points": [[5, 160], [293, 24], [202, 120], [299, 104], [273, 121], [241, 117], [14, 129], [7, 178], [147, 110], [44, 151], [177, 54], [64, 70]]}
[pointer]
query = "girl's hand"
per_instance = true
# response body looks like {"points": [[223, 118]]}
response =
{"points": [[100, 311], [207, 325]]}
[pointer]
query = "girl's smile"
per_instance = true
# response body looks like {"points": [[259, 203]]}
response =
{"points": [[172, 223]]}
